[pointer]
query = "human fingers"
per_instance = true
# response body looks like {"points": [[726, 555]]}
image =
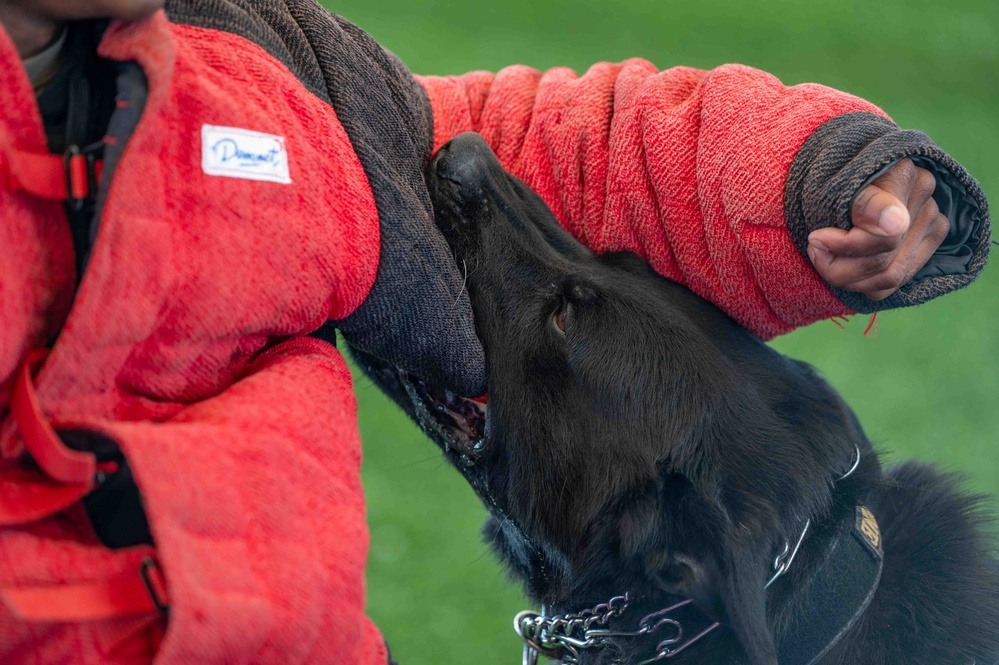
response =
{"points": [[878, 275]]}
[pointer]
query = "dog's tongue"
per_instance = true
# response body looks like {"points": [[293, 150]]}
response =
{"points": [[481, 399], [469, 415], [459, 414]]}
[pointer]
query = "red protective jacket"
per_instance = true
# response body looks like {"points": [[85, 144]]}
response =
{"points": [[185, 342]]}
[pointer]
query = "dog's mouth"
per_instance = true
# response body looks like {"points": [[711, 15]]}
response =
{"points": [[457, 424]]}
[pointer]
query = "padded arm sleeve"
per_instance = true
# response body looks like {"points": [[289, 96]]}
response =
{"points": [[690, 169]]}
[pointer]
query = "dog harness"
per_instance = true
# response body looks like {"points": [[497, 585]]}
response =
{"points": [[835, 596]]}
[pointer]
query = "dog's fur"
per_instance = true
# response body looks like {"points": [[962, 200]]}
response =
{"points": [[656, 447]]}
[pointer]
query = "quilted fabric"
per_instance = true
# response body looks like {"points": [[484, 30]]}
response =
{"points": [[244, 446]]}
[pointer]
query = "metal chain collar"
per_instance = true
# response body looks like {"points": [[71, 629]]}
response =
{"points": [[564, 632], [565, 635]]}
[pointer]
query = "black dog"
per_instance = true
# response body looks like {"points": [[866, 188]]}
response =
{"points": [[641, 450]]}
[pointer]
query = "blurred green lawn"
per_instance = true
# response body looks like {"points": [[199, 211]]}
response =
{"points": [[926, 386]]}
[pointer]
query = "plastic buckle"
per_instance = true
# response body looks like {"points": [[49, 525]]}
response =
{"points": [[73, 160]]}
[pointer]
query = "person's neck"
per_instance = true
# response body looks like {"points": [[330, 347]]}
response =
{"points": [[29, 32]]}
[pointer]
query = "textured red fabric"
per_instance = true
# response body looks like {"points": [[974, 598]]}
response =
{"points": [[264, 544], [685, 167], [256, 506], [248, 463], [34, 235]]}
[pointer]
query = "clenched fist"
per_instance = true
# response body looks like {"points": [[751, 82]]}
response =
{"points": [[897, 227]]}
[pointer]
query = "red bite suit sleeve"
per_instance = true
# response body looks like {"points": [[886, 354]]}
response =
{"points": [[685, 167]]}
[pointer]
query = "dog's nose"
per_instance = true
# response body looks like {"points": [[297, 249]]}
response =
{"points": [[466, 160]]}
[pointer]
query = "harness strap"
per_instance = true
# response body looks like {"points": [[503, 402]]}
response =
{"points": [[59, 462], [72, 177], [27, 498], [67, 477], [141, 592]]}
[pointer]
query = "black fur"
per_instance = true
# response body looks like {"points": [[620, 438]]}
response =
{"points": [[656, 447]]}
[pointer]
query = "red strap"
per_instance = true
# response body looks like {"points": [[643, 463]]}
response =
{"points": [[26, 496], [58, 461], [123, 596], [45, 175]]}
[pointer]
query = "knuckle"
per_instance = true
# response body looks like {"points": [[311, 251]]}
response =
{"points": [[894, 277], [941, 228], [926, 183], [908, 167], [931, 208], [880, 263], [904, 171]]}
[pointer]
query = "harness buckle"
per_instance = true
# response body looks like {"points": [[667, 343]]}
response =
{"points": [[81, 169], [152, 578]]}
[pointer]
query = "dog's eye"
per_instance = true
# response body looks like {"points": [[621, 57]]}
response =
{"points": [[560, 316]]}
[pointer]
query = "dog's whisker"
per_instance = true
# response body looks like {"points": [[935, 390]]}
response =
{"points": [[464, 283], [408, 465], [479, 558]]}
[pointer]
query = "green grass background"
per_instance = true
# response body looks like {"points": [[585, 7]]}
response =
{"points": [[926, 386]]}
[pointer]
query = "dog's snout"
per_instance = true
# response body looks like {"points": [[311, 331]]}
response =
{"points": [[466, 161]]}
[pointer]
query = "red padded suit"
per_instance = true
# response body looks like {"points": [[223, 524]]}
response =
{"points": [[185, 343]]}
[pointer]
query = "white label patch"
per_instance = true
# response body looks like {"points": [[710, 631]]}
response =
{"points": [[240, 153]]}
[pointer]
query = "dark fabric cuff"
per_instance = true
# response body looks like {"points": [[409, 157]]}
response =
{"points": [[849, 152]]}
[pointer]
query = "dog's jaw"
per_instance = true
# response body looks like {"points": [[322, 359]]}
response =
{"points": [[457, 424]]}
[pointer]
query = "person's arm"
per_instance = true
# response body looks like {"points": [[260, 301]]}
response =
{"points": [[722, 180]]}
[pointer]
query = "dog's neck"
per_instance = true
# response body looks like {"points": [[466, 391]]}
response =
{"points": [[827, 586]]}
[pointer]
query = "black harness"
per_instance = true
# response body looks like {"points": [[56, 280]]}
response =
{"points": [[830, 600], [837, 593]]}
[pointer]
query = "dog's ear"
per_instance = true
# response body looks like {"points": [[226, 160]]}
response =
{"points": [[731, 590], [704, 555]]}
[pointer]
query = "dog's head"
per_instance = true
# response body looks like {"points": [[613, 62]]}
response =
{"points": [[636, 439]]}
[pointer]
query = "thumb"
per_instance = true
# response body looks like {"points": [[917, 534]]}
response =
{"points": [[880, 213]]}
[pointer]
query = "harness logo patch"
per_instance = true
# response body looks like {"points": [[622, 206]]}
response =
{"points": [[868, 529], [241, 153]]}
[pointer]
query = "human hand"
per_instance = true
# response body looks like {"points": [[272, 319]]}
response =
{"points": [[897, 227]]}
